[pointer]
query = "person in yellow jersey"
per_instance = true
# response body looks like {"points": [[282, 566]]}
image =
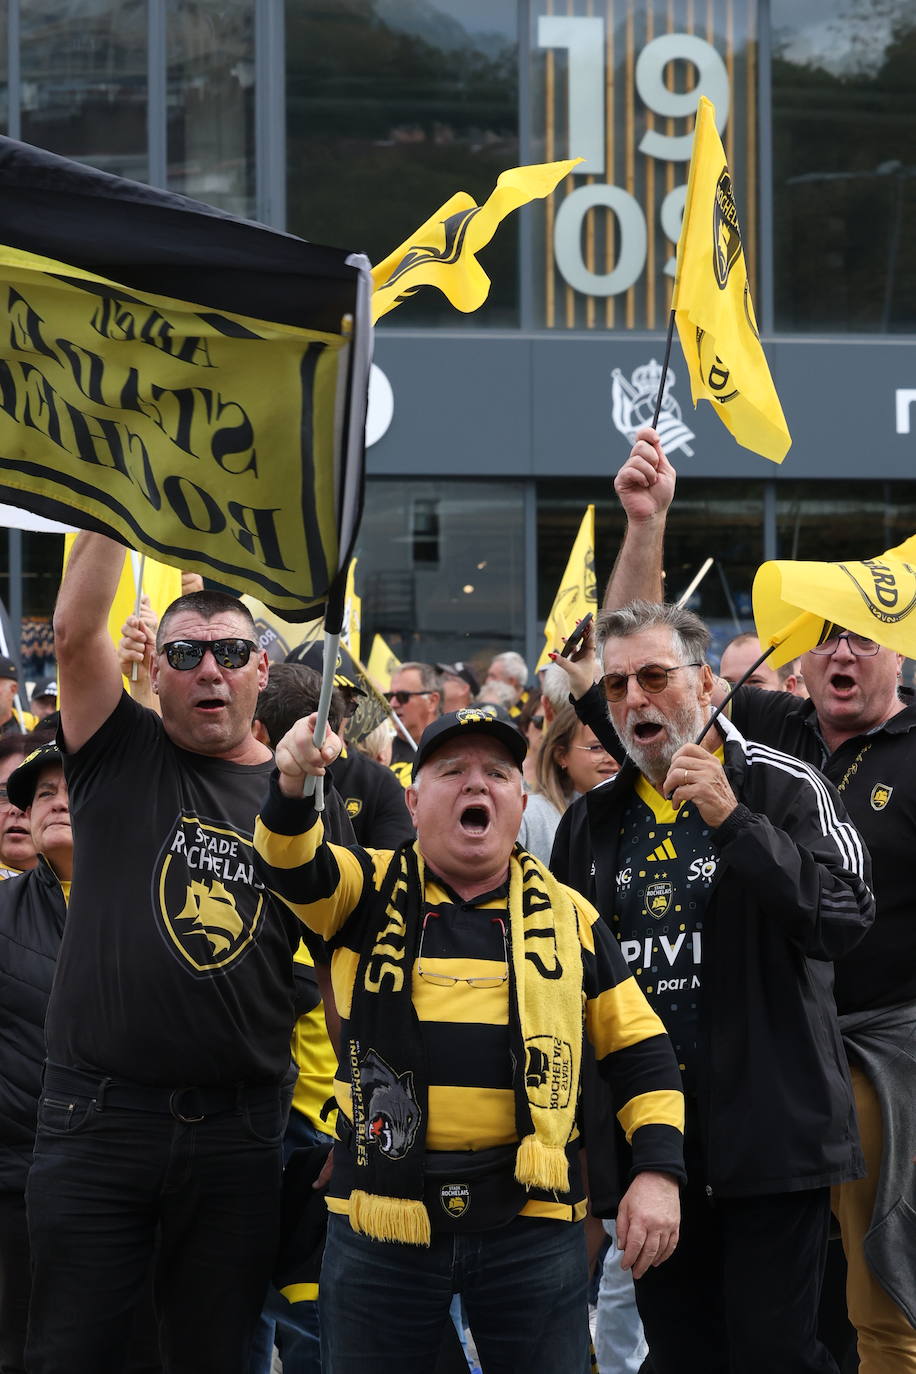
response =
{"points": [[463, 974], [12, 718]]}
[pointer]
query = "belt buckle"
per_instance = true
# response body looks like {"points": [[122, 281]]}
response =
{"points": [[178, 1115]]}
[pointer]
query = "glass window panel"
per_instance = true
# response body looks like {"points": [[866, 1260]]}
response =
{"points": [[211, 72], [84, 84], [617, 83], [441, 569], [393, 107], [844, 171]]}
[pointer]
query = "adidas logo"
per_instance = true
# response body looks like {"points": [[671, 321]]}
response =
{"points": [[666, 850]]}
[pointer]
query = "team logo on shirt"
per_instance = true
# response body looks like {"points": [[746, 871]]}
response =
{"points": [[880, 796], [455, 1199], [207, 896], [658, 898], [354, 805]]}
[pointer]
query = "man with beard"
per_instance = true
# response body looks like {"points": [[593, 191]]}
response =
{"points": [[856, 728], [732, 878]]}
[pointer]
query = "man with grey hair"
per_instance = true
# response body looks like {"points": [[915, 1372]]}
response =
{"points": [[512, 669], [731, 877], [415, 697]]}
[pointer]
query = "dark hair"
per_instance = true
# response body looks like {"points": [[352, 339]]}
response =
{"points": [[292, 692], [208, 605], [14, 744]]}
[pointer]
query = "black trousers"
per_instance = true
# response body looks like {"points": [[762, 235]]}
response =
{"points": [[111, 1187], [15, 1282], [740, 1293]]}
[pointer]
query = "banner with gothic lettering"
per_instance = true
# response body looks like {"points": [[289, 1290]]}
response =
{"points": [[188, 383]]}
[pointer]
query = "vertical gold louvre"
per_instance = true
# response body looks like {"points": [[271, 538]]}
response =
{"points": [[730, 26]]}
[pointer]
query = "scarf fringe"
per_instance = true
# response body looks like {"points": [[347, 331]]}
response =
{"points": [[542, 1166], [399, 1219]]}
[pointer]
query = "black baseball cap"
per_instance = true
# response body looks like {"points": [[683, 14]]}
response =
{"points": [[471, 720], [21, 783], [8, 670], [47, 687], [462, 670], [311, 655]]}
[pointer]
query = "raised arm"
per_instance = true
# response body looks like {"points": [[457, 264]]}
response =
{"points": [[645, 486], [87, 660]]}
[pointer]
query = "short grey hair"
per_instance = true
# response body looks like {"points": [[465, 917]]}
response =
{"points": [[691, 637], [515, 667], [430, 679]]}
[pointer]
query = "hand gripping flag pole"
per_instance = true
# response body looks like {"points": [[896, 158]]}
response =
{"points": [[333, 623]]}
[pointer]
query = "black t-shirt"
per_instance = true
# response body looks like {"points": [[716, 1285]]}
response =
{"points": [[666, 866], [876, 776], [374, 801], [176, 965]]}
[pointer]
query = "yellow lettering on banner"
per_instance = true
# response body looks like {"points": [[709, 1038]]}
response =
{"points": [[158, 418]]}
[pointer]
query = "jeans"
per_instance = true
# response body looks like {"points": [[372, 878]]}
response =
{"points": [[292, 1327], [384, 1306], [620, 1346], [103, 1180]]}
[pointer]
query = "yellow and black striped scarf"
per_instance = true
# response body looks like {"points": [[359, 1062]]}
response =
{"points": [[385, 1058]]}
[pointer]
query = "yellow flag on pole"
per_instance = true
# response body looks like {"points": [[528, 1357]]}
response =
{"points": [[713, 308], [874, 597], [382, 664], [353, 611], [577, 593], [442, 252]]}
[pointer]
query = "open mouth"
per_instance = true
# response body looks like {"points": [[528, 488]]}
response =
{"points": [[647, 731], [210, 704], [475, 820], [842, 682], [380, 1132]]}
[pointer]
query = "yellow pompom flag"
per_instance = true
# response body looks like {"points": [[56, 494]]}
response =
{"points": [[442, 251], [795, 604]]}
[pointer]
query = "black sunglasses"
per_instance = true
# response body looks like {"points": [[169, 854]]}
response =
{"points": [[403, 697], [652, 678], [185, 654]]}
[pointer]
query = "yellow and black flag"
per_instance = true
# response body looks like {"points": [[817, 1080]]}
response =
{"points": [[189, 383], [713, 308], [442, 252], [796, 605]]}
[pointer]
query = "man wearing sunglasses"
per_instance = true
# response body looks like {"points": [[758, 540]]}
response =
{"points": [[415, 697], [859, 731], [732, 878], [462, 971], [169, 1022]]}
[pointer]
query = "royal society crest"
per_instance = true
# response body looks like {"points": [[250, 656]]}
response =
{"points": [[633, 405]]}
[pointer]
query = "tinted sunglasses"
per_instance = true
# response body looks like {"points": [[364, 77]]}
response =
{"points": [[403, 697], [652, 678], [185, 654]]}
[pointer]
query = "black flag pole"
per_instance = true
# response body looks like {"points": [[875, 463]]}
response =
{"points": [[661, 384]]}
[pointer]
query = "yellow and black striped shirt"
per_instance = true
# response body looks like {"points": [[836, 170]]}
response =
{"points": [[466, 1029]]}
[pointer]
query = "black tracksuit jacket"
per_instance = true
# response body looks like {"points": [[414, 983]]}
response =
{"points": [[791, 893]]}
